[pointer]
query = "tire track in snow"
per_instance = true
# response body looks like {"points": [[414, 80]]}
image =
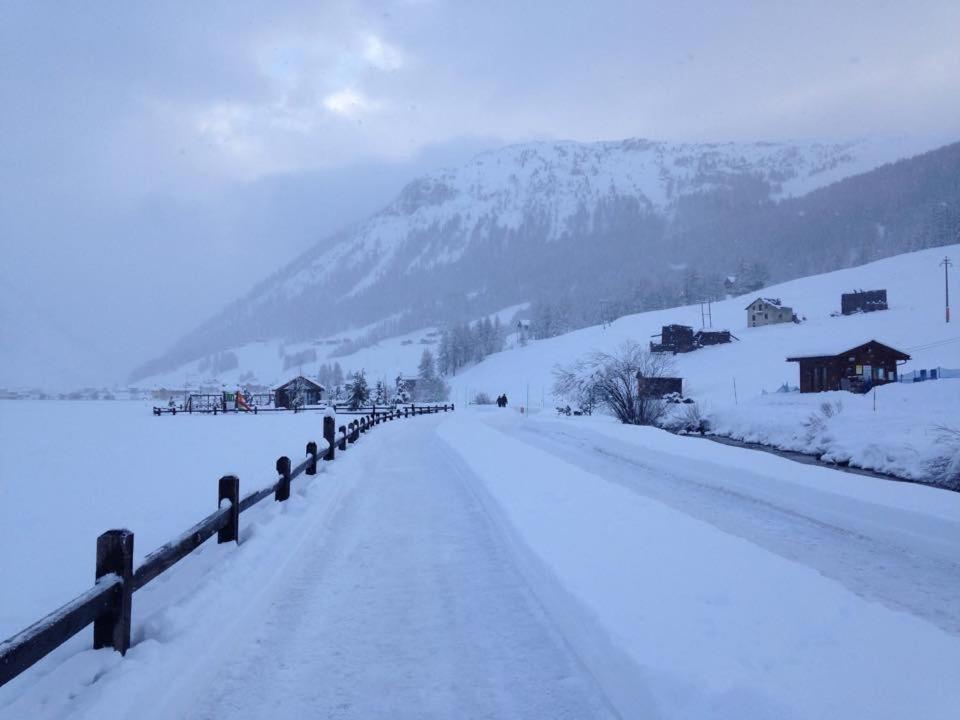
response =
{"points": [[408, 605], [898, 577]]}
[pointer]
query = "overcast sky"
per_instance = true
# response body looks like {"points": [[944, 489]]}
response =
{"points": [[157, 159]]}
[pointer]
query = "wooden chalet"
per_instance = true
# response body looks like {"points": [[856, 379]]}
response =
{"points": [[861, 301], [857, 369], [299, 388]]}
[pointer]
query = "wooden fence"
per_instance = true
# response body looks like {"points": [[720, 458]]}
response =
{"points": [[108, 604]]}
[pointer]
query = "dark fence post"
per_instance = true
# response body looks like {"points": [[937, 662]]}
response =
{"points": [[115, 557], [352, 438], [330, 435], [283, 484], [406, 412], [230, 490], [311, 468], [343, 440]]}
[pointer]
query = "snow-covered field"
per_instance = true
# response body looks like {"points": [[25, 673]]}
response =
{"points": [[71, 470], [482, 563]]}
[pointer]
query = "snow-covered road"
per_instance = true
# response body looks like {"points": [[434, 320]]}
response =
{"points": [[407, 604], [864, 548], [485, 564]]}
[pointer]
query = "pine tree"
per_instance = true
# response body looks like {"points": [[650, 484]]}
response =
{"points": [[445, 354], [358, 391], [403, 392], [426, 370]]}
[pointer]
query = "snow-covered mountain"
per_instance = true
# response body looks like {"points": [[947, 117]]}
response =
{"points": [[564, 189], [528, 221]]}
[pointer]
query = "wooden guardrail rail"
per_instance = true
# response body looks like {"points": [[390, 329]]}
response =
{"points": [[108, 604]]}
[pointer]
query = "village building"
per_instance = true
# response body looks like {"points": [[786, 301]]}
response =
{"points": [[675, 339], [298, 392], [856, 370], [768, 311], [682, 339], [658, 386], [862, 301]]}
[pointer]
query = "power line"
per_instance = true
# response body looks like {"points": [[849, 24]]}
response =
{"points": [[937, 343]]}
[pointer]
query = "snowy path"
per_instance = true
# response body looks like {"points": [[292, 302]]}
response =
{"points": [[407, 604], [870, 564]]}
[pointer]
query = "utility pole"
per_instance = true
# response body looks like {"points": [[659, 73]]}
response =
{"points": [[946, 262], [706, 314]]}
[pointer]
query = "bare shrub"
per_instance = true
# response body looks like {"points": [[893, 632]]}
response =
{"points": [[944, 469], [828, 410], [481, 398], [817, 422], [610, 380]]}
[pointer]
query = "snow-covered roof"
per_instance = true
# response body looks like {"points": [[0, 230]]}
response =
{"points": [[775, 302], [307, 381], [836, 350]]}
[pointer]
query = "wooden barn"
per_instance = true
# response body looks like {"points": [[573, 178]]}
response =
{"points": [[300, 388], [682, 339], [658, 386], [862, 301], [675, 339], [857, 369], [702, 338]]}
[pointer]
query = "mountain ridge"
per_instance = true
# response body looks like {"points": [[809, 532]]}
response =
{"points": [[509, 225]]}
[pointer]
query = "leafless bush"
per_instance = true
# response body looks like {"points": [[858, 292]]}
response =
{"points": [[816, 423], [481, 398], [610, 380], [828, 410], [694, 419], [944, 469]]}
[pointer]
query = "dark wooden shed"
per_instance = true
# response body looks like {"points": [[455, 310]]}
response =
{"points": [[863, 301], [675, 339], [857, 369], [304, 389], [658, 386], [712, 337]]}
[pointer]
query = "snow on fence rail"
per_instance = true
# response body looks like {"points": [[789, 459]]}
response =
{"points": [[108, 604]]}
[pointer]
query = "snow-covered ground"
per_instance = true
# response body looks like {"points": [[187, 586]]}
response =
{"points": [[734, 384], [70, 470], [481, 563], [382, 360], [894, 429], [729, 382]]}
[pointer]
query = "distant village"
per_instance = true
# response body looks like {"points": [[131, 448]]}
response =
{"points": [[855, 367]]}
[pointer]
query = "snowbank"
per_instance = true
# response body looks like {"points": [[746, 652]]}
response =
{"points": [[893, 429]]}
